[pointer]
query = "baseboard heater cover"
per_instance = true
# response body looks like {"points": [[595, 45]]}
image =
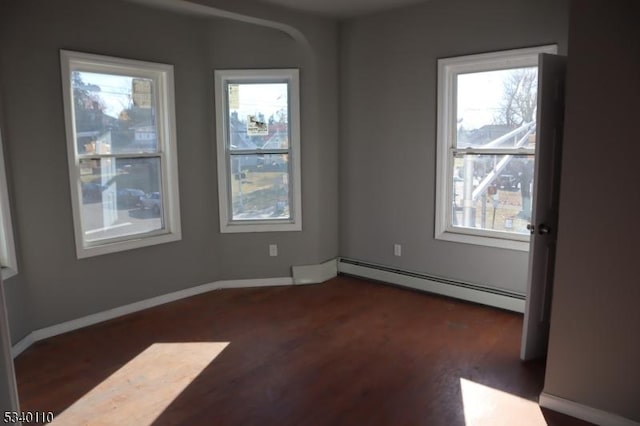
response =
{"points": [[485, 295]]}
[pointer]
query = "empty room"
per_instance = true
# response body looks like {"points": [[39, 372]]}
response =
{"points": [[319, 212]]}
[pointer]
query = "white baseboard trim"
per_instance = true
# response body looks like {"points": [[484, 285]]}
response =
{"points": [[583, 412], [22, 345], [109, 314], [315, 274], [450, 288]]}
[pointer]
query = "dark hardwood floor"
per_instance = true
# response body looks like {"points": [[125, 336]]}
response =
{"points": [[346, 352]]}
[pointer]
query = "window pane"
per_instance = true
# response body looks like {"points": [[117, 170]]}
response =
{"points": [[493, 192], [495, 103], [120, 197], [260, 187], [258, 116], [114, 114]]}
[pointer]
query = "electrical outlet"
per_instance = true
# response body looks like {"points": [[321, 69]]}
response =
{"points": [[397, 250], [273, 250]]}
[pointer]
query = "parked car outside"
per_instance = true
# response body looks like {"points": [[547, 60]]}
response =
{"points": [[129, 197], [508, 182], [91, 192], [152, 201]]}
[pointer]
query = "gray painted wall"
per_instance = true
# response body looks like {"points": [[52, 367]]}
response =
{"points": [[18, 311], [594, 345], [61, 287], [388, 129]]}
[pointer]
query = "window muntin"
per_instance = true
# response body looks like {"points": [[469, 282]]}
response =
{"points": [[258, 150], [486, 147], [122, 149]]}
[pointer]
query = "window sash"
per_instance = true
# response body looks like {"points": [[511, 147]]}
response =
{"points": [[290, 194], [159, 99], [461, 229], [226, 101], [163, 215]]}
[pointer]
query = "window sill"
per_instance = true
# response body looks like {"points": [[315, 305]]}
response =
{"points": [[502, 243], [260, 227], [84, 252]]}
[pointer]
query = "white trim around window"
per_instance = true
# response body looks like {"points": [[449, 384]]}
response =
{"points": [[245, 204], [7, 245], [448, 71], [140, 162]]}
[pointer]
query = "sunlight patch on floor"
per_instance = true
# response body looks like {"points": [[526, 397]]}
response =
{"points": [[486, 406], [143, 388]]}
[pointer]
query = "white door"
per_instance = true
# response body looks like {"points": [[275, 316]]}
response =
{"points": [[544, 218]]}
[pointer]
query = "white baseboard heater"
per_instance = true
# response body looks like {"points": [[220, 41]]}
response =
{"points": [[485, 295]]}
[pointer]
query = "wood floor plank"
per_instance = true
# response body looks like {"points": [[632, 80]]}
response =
{"points": [[347, 352]]}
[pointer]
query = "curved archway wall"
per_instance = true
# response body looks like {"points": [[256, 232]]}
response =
{"points": [[53, 286]]}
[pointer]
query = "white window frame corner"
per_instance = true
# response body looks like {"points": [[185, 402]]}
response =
{"points": [[292, 77], [448, 70], [163, 74]]}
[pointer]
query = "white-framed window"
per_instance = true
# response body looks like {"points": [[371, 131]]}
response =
{"points": [[121, 144], [258, 147], [8, 260], [487, 107]]}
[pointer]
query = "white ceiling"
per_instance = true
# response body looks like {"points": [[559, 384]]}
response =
{"points": [[342, 8]]}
